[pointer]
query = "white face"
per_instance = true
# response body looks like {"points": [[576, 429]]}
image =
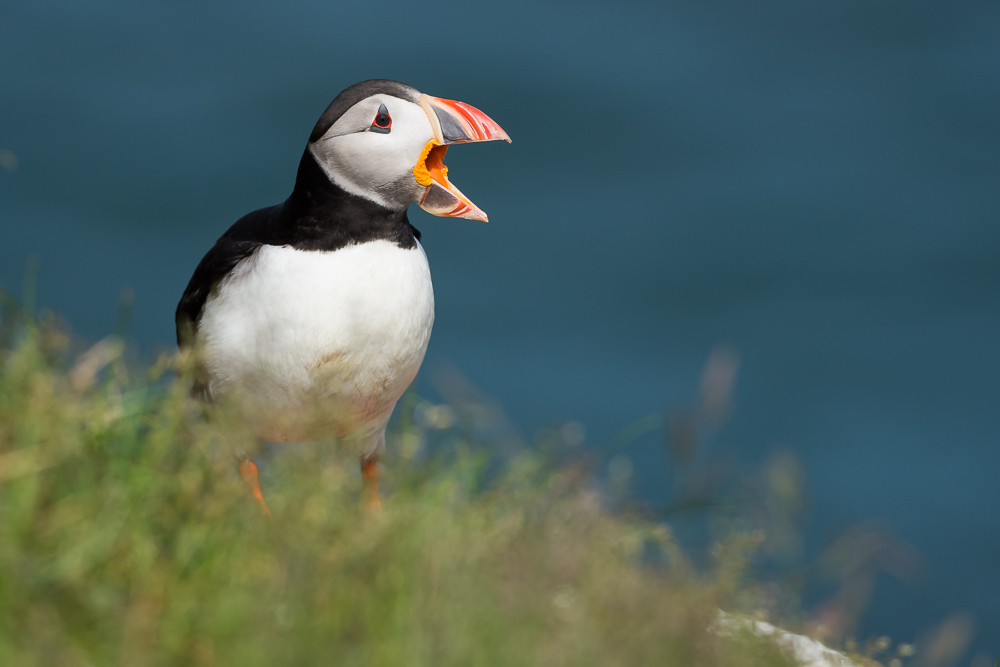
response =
{"points": [[372, 164]]}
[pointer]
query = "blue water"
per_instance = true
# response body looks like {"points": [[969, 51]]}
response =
{"points": [[816, 185]]}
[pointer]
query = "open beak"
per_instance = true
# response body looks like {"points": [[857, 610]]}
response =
{"points": [[453, 123]]}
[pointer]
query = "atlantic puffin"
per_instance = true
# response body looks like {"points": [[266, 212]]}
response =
{"points": [[311, 318]]}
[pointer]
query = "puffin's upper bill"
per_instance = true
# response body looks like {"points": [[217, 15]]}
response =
{"points": [[453, 123]]}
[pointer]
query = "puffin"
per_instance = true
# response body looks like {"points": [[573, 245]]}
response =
{"points": [[310, 318]]}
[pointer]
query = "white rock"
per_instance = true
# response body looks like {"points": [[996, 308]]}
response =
{"points": [[805, 651]]}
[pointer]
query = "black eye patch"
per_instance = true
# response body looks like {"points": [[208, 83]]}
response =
{"points": [[383, 122]]}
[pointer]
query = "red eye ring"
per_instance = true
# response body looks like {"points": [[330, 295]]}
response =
{"points": [[383, 121]]}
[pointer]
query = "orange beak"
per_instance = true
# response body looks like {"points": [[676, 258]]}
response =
{"points": [[453, 123]]}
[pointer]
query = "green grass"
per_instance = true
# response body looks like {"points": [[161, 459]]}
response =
{"points": [[126, 538]]}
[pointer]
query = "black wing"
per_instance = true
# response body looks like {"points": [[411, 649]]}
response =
{"points": [[219, 261], [242, 240]]}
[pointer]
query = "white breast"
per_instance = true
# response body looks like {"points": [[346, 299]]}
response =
{"points": [[319, 344]]}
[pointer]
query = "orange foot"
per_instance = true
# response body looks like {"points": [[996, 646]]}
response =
{"points": [[369, 475], [248, 471]]}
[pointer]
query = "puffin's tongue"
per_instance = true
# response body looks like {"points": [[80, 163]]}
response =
{"points": [[441, 197]]}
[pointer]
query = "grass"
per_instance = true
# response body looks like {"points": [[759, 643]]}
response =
{"points": [[126, 538]]}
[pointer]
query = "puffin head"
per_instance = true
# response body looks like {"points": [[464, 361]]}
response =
{"points": [[385, 141]]}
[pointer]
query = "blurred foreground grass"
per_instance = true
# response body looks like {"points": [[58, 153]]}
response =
{"points": [[126, 538]]}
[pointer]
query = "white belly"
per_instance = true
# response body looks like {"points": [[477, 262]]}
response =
{"points": [[319, 344]]}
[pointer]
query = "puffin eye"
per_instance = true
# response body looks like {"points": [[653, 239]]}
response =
{"points": [[383, 122]]}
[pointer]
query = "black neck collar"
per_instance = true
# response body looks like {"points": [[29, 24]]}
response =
{"points": [[320, 215]]}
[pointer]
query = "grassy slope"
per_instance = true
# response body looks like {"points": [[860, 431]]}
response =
{"points": [[127, 539]]}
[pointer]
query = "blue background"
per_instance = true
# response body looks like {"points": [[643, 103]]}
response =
{"points": [[813, 184]]}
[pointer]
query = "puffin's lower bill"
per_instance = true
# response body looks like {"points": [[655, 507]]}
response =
{"points": [[453, 123]]}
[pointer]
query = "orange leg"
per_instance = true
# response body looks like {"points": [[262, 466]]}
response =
{"points": [[369, 475], [248, 471]]}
